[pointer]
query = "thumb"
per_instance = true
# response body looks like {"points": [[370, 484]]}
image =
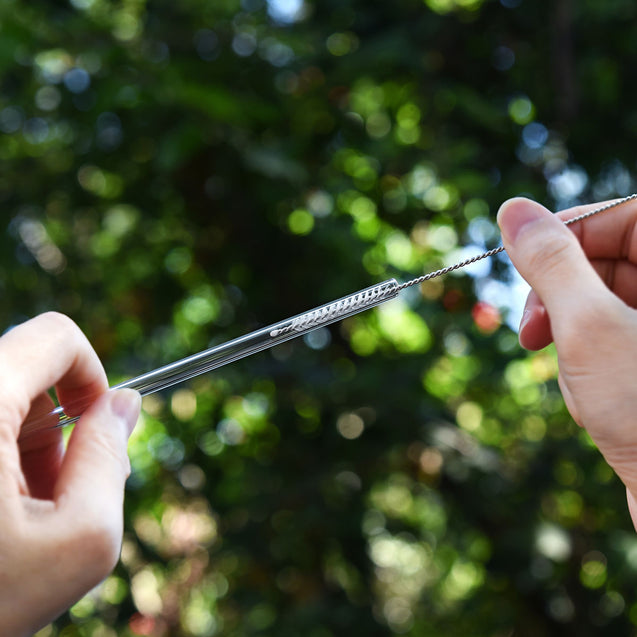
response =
{"points": [[90, 486], [548, 255], [85, 526], [96, 460]]}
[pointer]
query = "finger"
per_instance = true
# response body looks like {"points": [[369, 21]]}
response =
{"points": [[46, 351], [96, 460], [620, 277], [535, 326], [550, 258], [41, 455], [90, 489]]}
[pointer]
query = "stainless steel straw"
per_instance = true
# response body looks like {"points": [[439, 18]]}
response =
{"points": [[238, 348], [267, 337]]}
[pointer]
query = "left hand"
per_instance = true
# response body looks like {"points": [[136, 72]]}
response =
{"points": [[61, 511]]}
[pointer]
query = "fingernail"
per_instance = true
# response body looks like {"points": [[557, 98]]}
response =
{"points": [[516, 214], [126, 404], [526, 315]]}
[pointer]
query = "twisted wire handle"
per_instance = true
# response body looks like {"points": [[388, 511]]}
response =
{"points": [[494, 251]]}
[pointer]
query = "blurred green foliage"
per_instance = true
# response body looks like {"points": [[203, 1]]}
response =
{"points": [[174, 174]]}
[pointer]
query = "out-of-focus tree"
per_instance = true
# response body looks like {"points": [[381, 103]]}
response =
{"points": [[176, 174]]}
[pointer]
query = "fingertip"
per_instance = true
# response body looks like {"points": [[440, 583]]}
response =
{"points": [[41, 462], [535, 328], [126, 405], [517, 213], [509, 204]]}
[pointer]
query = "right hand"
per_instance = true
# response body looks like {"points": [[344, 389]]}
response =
{"points": [[584, 293]]}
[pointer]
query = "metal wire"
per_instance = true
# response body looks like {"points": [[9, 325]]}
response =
{"points": [[450, 268], [491, 253]]}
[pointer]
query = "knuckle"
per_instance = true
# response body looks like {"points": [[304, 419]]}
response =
{"points": [[60, 323], [62, 329]]}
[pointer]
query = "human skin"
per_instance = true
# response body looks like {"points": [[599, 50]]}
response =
{"points": [[583, 299], [61, 509]]}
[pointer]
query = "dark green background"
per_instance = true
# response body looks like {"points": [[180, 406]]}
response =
{"points": [[173, 174]]}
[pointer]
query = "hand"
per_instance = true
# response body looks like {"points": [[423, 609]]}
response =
{"points": [[584, 289], [61, 511]]}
